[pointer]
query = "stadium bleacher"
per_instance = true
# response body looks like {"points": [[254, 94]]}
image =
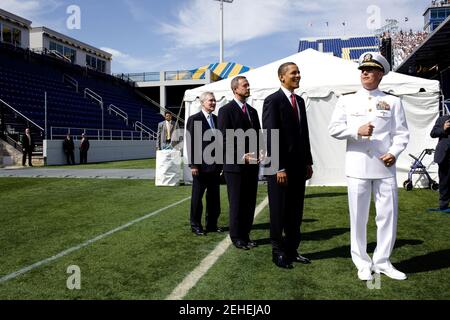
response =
{"points": [[26, 76], [349, 48]]}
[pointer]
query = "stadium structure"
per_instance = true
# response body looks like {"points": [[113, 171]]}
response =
{"points": [[168, 87], [431, 59], [55, 85], [346, 48]]}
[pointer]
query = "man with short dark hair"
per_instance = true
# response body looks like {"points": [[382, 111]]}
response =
{"points": [[27, 147], [441, 130], [286, 112], [166, 128], [84, 147], [240, 166], [68, 148]]}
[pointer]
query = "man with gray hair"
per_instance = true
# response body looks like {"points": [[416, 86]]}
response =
{"points": [[205, 172], [240, 166]]}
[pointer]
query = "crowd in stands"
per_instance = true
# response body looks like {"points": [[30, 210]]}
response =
{"points": [[404, 43]]}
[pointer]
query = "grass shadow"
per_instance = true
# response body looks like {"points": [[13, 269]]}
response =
{"points": [[325, 234], [428, 262], [344, 251]]}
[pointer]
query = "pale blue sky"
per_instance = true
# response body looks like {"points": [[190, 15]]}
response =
{"points": [[154, 35]]}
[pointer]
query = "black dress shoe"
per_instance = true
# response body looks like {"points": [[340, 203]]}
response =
{"points": [[251, 244], [241, 245], [301, 259], [216, 229], [198, 231], [282, 262]]}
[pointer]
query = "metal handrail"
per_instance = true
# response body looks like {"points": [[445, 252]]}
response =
{"points": [[19, 113], [71, 80], [97, 133], [93, 95], [59, 55], [139, 125], [161, 108], [119, 112]]}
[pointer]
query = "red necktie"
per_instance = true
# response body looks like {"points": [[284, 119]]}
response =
{"points": [[294, 106], [244, 108]]}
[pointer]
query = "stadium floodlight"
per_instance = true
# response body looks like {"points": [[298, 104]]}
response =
{"points": [[221, 26]]}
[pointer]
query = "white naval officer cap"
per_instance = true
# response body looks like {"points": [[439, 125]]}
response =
{"points": [[374, 60]]}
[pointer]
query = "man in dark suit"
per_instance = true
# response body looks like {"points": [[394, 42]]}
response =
{"points": [[68, 148], [441, 130], [205, 170], [285, 111], [27, 147], [84, 147], [241, 168]]}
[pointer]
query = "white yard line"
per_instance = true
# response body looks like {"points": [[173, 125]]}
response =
{"points": [[192, 278], [85, 244]]}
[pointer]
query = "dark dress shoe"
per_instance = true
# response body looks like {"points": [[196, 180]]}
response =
{"points": [[216, 229], [301, 259], [241, 245], [198, 231], [251, 244], [282, 262]]}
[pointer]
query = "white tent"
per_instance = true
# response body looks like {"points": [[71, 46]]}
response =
{"points": [[324, 79]]}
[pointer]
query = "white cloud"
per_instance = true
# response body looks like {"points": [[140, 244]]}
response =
{"points": [[30, 9], [197, 23], [136, 11], [126, 63]]}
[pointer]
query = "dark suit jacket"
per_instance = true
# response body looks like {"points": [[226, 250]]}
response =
{"points": [[294, 145], [442, 147], [27, 144], [84, 145], [192, 143], [232, 117], [68, 145]]}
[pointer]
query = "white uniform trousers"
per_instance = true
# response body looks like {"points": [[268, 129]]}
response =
{"points": [[386, 204]]}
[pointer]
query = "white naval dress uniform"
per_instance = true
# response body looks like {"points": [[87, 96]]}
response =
{"points": [[366, 173]]}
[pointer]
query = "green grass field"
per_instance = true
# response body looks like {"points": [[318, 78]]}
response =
{"points": [[42, 217], [126, 164]]}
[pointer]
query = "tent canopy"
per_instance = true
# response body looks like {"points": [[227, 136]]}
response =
{"points": [[321, 74]]}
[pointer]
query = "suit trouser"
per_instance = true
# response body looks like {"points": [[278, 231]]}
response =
{"points": [[208, 181], [286, 213], [242, 187], [70, 157], [444, 179], [27, 153], [386, 205], [83, 157]]}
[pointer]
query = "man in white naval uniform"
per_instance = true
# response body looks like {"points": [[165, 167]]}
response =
{"points": [[374, 125]]}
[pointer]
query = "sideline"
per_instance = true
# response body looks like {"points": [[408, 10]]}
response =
{"points": [[85, 244], [192, 278]]}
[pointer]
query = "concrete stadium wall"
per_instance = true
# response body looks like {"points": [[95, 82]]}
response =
{"points": [[101, 151]]}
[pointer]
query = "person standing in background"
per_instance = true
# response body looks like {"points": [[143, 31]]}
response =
{"points": [[84, 147]]}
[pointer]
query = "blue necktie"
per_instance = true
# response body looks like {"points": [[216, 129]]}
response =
{"points": [[211, 121]]}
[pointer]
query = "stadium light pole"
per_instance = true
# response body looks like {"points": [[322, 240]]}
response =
{"points": [[221, 26]]}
